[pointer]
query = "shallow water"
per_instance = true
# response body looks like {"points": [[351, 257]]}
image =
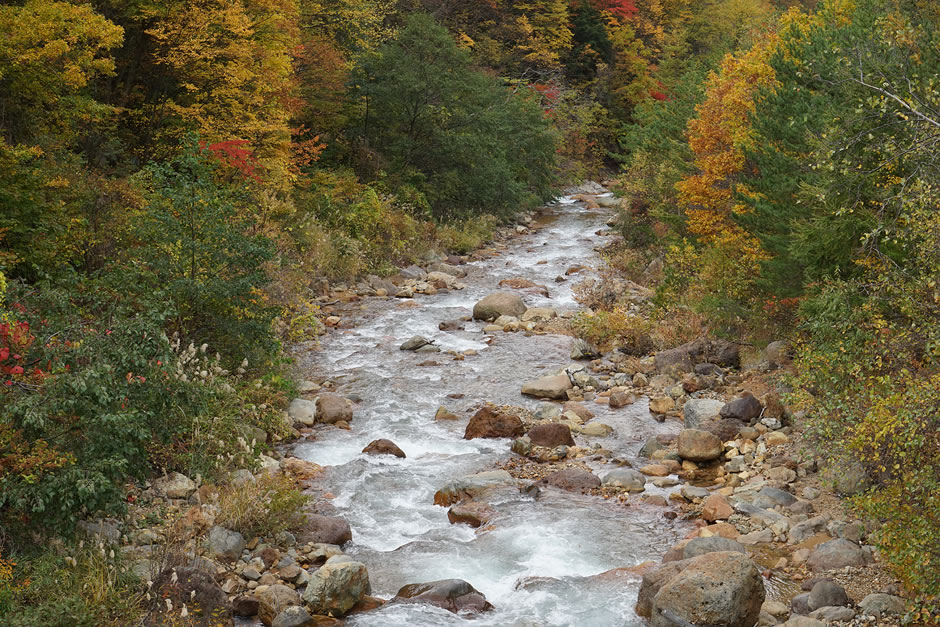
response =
{"points": [[536, 560]]}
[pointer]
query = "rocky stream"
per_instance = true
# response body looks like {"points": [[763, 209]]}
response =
{"points": [[469, 459]]}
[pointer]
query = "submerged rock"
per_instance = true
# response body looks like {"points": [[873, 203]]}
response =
{"points": [[473, 514], [469, 486], [571, 479], [383, 447], [414, 343], [453, 595]]}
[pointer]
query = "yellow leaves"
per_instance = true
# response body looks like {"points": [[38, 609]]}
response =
{"points": [[719, 135]]}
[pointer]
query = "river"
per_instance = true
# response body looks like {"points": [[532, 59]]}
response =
{"points": [[537, 559]]}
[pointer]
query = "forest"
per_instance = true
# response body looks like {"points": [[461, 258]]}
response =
{"points": [[180, 180]]}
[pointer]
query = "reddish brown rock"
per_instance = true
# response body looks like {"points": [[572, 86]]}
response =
{"points": [[324, 529], [551, 435], [473, 514], [579, 410], [453, 595], [333, 408], [620, 397], [716, 507], [655, 470], [489, 422], [571, 479], [383, 447]]}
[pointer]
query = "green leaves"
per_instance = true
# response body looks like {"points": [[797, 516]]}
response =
{"points": [[466, 142], [198, 254]]}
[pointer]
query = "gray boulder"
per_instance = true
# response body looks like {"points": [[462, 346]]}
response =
{"points": [[226, 543], [293, 616], [627, 478], [837, 553], [714, 544], [174, 486], [879, 604], [302, 411], [826, 593], [746, 408], [724, 588], [499, 304], [833, 613], [333, 408], [320, 529], [699, 411], [337, 586]]}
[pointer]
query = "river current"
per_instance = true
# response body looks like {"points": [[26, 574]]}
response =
{"points": [[538, 560]]}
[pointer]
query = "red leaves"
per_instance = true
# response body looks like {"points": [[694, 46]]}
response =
{"points": [[622, 9], [234, 154], [13, 335]]}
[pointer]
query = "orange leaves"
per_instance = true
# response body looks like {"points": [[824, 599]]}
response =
{"points": [[719, 135]]}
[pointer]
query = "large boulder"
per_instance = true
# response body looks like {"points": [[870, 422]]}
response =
{"points": [[470, 486], [275, 599], [724, 588], [699, 411], [490, 422], [878, 604], [453, 595], [383, 447], [294, 616], [337, 586], [551, 434], [571, 479], [725, 429], [699, 446], [554, 386], [333, 408], [499, 304], [652, 581], [746, 408], [837, 553], [320, 529]]}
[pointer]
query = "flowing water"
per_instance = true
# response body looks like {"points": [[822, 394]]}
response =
{"points": [[537, 560]]}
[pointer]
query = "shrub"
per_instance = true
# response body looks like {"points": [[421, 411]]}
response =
{"points": [[264, 507]]}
